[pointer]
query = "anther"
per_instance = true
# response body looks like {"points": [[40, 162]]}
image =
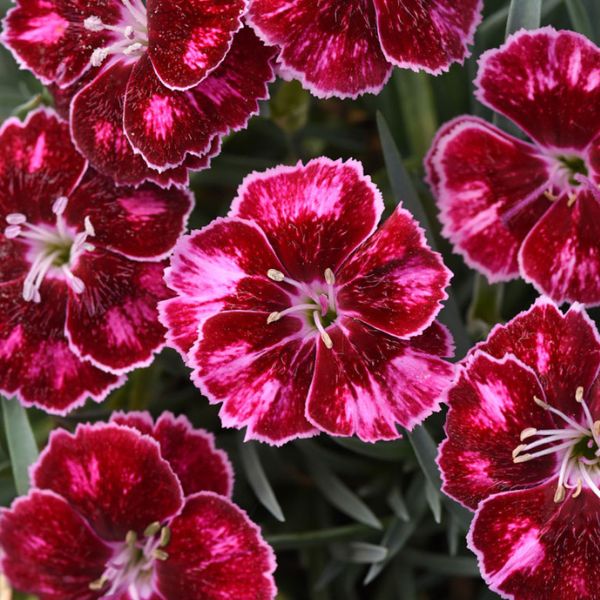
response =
{"points": [[16, 219], [274, 316], [160, 554], [152, 529], [327, 340], [518, 450], [521, 459], [528, 432], [540, 403], [550, 196], [579, 394], [572, 199], [58, 208], [578, 489], [98, 584], [93, 24], [275, 275], [131, 538], [559, 495], [165, 537], [329, 276]]}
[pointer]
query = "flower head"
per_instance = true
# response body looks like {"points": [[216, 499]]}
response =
{"points": [[80, 271], [532, 208], [152, 87], [298, 316], [523, 450], [348, 47], [109, 517]]}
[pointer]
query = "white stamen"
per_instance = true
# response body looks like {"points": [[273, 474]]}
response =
{"points": [[526, 457], [16, 219], [560, 414], [324, 335], [59, 206], [93, 24], [12, 232], [275, 275]]}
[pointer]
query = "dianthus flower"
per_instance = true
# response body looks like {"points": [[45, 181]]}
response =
{"points": [[116, 513], [154, 85], [345, 48], [81, 265], [523, 451], [532, 208], [299, 317]]}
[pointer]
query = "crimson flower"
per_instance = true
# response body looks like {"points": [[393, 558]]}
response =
{"points": [[523, 450], [532, 208], [81, 265], [116, 513], [154, 86], [345, 48], [299, 317]]}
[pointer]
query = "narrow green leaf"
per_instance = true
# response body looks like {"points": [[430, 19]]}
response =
{"points": [[340, 495], [21, 442], [435, 502], [404, 191], [580, 18], [393, 451], [309, 539], [523, 14], [498, 18], [359, 552], [331, 571], [255, 475], [453, 535], [485, 310], [465, 566], [396, 502]]}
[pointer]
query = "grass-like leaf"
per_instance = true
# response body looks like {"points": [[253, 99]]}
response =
{"points": [[21, 442], [523, 14]]}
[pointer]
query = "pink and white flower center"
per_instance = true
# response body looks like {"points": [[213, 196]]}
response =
{"points": [[316, 301], [53, 249], [131, 568], [568, 174], [131, 34], [577, 446]]}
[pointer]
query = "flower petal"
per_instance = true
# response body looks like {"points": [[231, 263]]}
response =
{"points": [[261, 372], [314, 215], [114, 323], [370, 382], [529, 547], [37, 162], [547, 82], [48, 548], [113, 476], [221, 267], [48, 36], [427, 36], [36, 363], [187, 39], [561, 254], [394, 281], [142, 223], [163, 125], [490, 405], [216, 552], [191, 453], [551, 344], [489, 188], [331, 47]]}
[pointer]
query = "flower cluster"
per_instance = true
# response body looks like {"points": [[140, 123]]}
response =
{"points": [[136, 510]]}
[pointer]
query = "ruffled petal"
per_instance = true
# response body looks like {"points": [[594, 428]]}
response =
{"points": [[215, 553], [429, 36], [551, 344], [187, 39], [490, 405], [547, 82], [489, 189], [561, 254], [142, 223], [48, 36], [314, 215], [113, 476], [114, 323], [394, 281], [222, 267], [261, 373], [332, 47], [38, 164], [191, 453], [368, 383], [530, 548], [163, 125], [48, 549], [36, 363]]}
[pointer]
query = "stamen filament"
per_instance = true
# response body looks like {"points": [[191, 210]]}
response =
{"points": [[527, 457], [560, 414], [586, 476], [275, 316], [324, 335]]}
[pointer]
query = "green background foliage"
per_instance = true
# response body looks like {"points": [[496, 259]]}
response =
{"points": [[348, 520]]}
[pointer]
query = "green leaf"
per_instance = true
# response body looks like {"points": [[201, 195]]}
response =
{"points": [[461, 566], [396, 502], [255, 475], [393, 451], [434, 500], [21, 442], [405, 193], [580, 18], [290, 106], [359, 552], [336, 491], [523, 14], [485, 310]]}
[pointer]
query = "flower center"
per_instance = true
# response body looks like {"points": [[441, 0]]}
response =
{"points": [[130, 569], [53, 249], [577, 445], [570, 172], [131, 34], [318, 305]]}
